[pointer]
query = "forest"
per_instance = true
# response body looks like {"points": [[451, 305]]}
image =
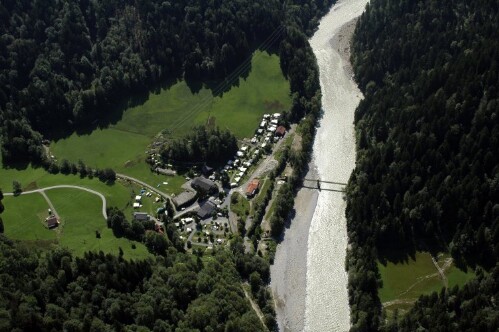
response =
{"points": [[427, 173], [97, 292], [202, 145], [65, 64]]}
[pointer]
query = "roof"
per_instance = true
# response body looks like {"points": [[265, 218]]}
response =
{"points": [[138, 198], [206, 209], [206, 169], [203, 184], [184, 198], [280, 130], [52, 221], [140, 216], [252, 187]]}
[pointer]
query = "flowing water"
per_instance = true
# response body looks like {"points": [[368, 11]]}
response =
{"points": [[326, 299]]}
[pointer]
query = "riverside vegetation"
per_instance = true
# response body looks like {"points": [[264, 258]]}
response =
{"points": [[427, 169]]}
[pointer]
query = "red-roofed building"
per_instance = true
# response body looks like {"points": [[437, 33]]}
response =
{"points": [[253, 187], [280, 131]]}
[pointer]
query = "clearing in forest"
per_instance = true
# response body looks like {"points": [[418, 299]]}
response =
{"points": [[175, 111], [404, 282]]}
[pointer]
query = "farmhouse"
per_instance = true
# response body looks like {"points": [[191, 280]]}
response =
{"points": [[280, 131], [184, 198], [206, 210], [252, 188], [141, 216], [52, 221], [205, 185]]}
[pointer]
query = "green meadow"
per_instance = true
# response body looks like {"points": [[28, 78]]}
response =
{"points": [[81, 217], [27, 220], [404, 282], [175, 111]]}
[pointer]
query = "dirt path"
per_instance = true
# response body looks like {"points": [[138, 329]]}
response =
{"points": [[441, 271], [42, 191], [255, 307], [49, 202]]}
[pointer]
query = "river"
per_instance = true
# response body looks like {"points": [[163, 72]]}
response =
{"points": [[309, 281]]}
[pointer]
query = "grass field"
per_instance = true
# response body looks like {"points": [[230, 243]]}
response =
{"points": [[122, 145], [27, 220], [241, 207], [404, 282], [81, 217]]}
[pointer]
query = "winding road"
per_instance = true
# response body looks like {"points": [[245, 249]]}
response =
{"points": [[42, 192]]}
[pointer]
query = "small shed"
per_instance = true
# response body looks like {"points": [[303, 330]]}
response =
{"points": [[206, 170], [52, 221], [138, 198], [280, 131]]}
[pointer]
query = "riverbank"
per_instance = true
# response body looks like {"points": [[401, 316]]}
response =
{"points": [[309, 281], [289, 271]]}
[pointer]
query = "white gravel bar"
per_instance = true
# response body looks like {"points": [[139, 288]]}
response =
{"points": [[326, 303], [309, 281]]}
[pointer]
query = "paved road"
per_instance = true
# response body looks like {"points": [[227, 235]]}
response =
{"points": [[42, 191]]}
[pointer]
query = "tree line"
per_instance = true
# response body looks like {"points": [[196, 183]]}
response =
{"points": [[427, 169], [201, 145], [103, 292]]}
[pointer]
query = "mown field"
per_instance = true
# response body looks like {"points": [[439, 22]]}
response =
{"points": [[175, 111], [404, 282], [24, 219], [81, 217]]}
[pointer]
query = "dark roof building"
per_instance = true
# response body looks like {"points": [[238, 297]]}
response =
{"points": [[203, 184], [207, 170], [140, 216], [52, 221], [206, 210], [184, 198]]}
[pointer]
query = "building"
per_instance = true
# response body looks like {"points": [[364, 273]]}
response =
{"points": [[206, 170], [52, 221], [205, 185], [184, 198], [141, 216], [136, 205], [252, 188], [280, 131], [138, 198], [206, 210]]}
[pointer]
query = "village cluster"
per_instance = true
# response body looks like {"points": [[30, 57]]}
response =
{"points": [[202, 216]]}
